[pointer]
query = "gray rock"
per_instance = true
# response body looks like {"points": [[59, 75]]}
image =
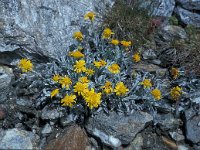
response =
{"points": [[18, 139], [187, 17], [177, 136], [43, 27], [67, 120], [6, 75], [163, 8], [51, 113], [46, 129], [190, 4], [136, 144], [192, 128], [24, 102], [118, 126], [149, 54]]}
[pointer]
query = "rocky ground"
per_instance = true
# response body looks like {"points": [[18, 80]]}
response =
{"points": [[29, 119]]}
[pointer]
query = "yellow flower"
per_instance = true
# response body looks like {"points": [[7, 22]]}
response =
{"points": [[174, 72], [80, 88], [68, 100], [114, 42], [54, 92], [114, 68], [78, 36], [100, 63], [146, 83], [156, 94], [107, 88], [65, 82], [120, 89], [56, 78], [136, 57], [90, 16], [92, 98], [83, 80], [89, 72], [126, 44], [76, 54], [176, 92], [25, 65], [107, 32], [80, 66]]}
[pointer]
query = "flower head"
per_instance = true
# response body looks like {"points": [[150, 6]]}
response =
{"points": [[25, 65], [107, 32], [114, 68], [136, 57], [107, 88], [114, 42], [83, 80], [92, 98], [120, 89], [146, 83], [80, 88], [174, 72], [56, 77], [54, 92], [126, 44], [65, 82], [78, 36], [156, 94], [90, 16], [100, 63], [68, 100], [76, 54], [89, 72], [80, 66], [176, 92]]}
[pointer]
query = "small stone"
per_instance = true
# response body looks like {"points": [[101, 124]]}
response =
{"points": [[51, 113], [178, 136], [46, 129], [67, 120], [2, 112], [149, 54], [136, 144]]}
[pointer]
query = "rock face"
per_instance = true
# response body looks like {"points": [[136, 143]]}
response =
{"points": [[41, 28], [190, 4], [117, 127], [74, 138], [188, 17], [192, 126], [6, 75], [18, 139]]}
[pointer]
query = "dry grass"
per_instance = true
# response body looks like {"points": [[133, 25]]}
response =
{"points": [[128, 22]]}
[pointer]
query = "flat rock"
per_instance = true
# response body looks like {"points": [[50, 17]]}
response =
{"points": [[51, 113], [190, 4], [192, 126], [18, 139], [188, 17], [117, 126], [6, 75], [73, 138]]}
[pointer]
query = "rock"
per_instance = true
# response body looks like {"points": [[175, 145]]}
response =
{"points": [[18, 139], [42, 28], [192, 129], [136, 144], [162, 8], [187, 17], [2, 112], [74, 138], [24, 102], [6, 75], [169, 33], [149, 54], [46, 129], [67, 120], [177, 136], [151, 68], [118, 126], [189, 4], [51, 113]]}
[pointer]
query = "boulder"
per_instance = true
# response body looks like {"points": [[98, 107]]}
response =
{"points": [[42, 29], [188, 17], [189, 4]]}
